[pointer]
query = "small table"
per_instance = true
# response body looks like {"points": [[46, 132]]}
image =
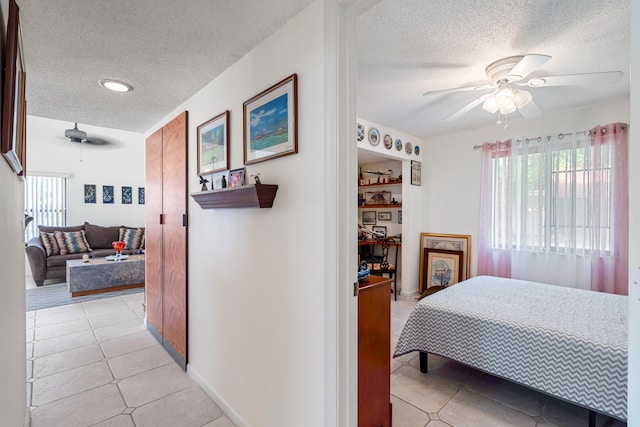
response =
{"points": [[101, 275]]}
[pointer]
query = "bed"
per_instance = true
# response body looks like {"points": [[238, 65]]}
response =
{"points": [[565, 342]]}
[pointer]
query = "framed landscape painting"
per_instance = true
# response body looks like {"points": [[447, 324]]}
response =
{"points": [[271, 122], [213, 145]]}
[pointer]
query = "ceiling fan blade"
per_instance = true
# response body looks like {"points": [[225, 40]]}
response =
{"points": [[527, 65], [470, 106], [605, 77], [530, 110], [459, 89]]}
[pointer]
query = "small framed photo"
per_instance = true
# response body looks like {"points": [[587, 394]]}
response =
{"points": [[443, 267], [141, 195], [399, 217], [379, 229], [416, 172], [271, 122], [369, 217], [127, 195], [107, 194], [213, 145], [377, 198], [89, 193], [384, 216], [236, 177]]}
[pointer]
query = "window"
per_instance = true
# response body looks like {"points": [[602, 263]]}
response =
{"points": [[45, 200]]}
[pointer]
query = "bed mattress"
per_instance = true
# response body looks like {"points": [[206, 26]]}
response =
{"points": [[566, 342]]}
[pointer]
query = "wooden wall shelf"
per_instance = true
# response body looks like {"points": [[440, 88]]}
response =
{"points": [[399, 206], [245, 196]]}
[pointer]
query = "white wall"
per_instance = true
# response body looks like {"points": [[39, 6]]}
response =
{"points": [[13, 392], [256, 276], [119, 164], [451, 171]]}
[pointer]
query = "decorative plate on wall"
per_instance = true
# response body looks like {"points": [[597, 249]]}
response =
{"points": [[374, 136], [408, 148], [416, 150], [399, 144], [388, 142], [360, 132]]}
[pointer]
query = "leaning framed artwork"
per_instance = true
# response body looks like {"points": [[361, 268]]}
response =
{"points": [[13, 144], [213, 145], [271, 122], [416, 172], [441, 267], [445, 242]]}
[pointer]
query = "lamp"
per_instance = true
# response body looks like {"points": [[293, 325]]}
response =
{"points": [[506, 99]]}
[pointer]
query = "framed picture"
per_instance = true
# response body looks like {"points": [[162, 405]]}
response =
{"points": [[374, 136], [446, 242], [379, 229], [442, 267], [213, 145], [236, 177], [127, 195], [89, 193], [369, 217], [384, 216], [399, 217], [13, 145], [388, 142], [141, 195], [271, 122], [107, 194], [377, 198], [416, 172]]}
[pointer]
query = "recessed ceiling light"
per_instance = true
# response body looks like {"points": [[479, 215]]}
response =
{"points": [[115, 85]]}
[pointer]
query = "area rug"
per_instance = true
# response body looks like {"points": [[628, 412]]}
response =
{"points": [[55, 295]]}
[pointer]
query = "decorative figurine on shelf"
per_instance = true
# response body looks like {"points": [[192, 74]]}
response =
{"points": [[256, 177], [204, 181], [224, 182], [363, 270]]}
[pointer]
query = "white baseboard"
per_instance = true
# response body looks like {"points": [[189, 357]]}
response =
{"points": [[222, 404]]}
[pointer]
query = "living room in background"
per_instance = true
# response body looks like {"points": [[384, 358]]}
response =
{"points": [[45, 201]]}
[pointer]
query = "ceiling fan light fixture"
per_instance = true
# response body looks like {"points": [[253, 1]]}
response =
{"points": [[521, 98], [507, 109], [490, 105], [504, 97], [115, 85]]}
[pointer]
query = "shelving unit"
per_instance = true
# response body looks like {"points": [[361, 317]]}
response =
{"points": [[245, 196]]}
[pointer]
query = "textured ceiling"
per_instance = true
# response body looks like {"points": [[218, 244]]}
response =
{"points": [[166, 50], [408, 47]]}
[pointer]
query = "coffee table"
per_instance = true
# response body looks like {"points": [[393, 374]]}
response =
{"points": [[101, 275]]}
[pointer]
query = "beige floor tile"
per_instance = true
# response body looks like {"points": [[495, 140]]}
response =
{"points": [[118, 421], [128, 343], [220, 422], [30, 314], [510, 394], [426, 392], [59, 318], [438, 423], [139, 361], [140, 313], [81, 410], [187, 408], [467, 409], [105, 304], [70, 382], [29, 369], [60, 329], [30, 322], [447, 369], [562, 414], [155, 384], [65, 360], [406, 415], [29, 350], [30, 335], [100, 319], [63, 343], [118, 330], [58, 310]]}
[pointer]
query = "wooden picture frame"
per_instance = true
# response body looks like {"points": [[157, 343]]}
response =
{"points": [[236, 177], [379, 229], [441, 267], [368, 217], [270, 122], [384, 216], [13, 144], [448, 242], [213, 145]]}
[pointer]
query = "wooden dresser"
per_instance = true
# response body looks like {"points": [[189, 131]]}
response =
{"points": [[374, 358]]}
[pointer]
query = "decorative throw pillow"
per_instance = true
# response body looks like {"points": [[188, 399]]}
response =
{"points": [[72, 242], [132, 238], [49, 243]]}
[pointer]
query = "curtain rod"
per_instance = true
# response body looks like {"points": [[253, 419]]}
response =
{"points": [[539, 138]]}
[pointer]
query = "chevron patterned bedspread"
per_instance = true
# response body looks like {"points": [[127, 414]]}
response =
{"points": [[566, 342]]}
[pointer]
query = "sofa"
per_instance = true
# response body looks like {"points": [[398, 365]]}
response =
{"points": [[49, 251]]}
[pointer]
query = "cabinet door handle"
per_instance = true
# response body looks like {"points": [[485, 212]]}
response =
{"points": [[161, 219]]}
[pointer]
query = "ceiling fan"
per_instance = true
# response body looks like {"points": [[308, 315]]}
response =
{"points": [[79, 136], [508, 76]]}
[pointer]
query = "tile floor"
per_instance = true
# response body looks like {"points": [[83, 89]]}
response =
{"points": [[453, 395], [95, 364]]}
